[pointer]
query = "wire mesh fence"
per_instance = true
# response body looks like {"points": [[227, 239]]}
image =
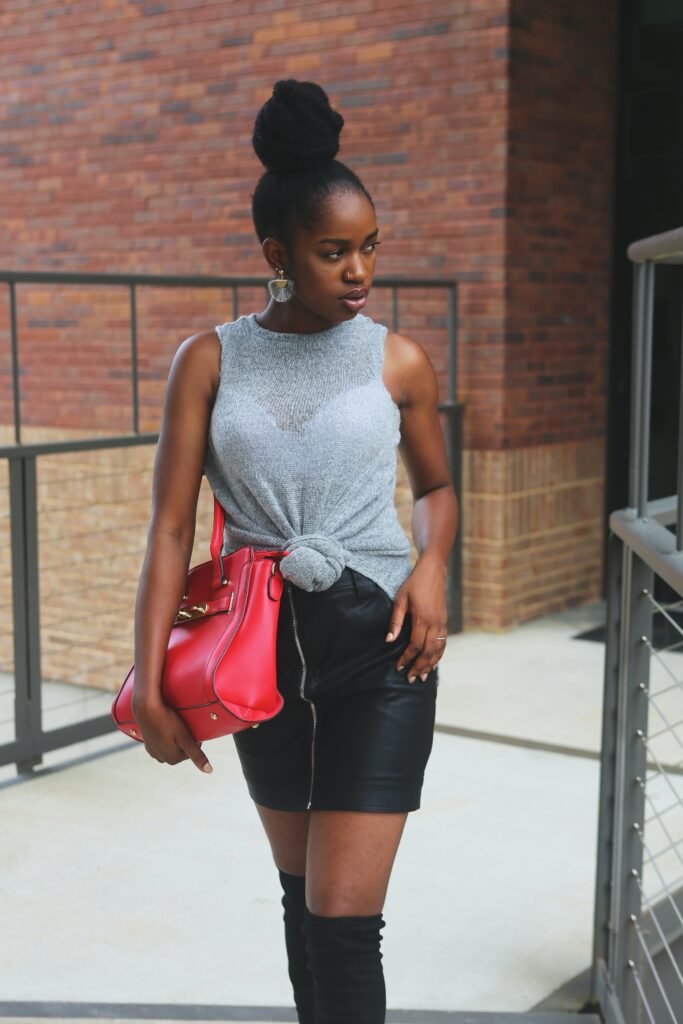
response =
{"points": [[658, 973]]}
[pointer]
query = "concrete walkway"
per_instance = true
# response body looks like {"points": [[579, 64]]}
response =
{"points": [[490, 904]]}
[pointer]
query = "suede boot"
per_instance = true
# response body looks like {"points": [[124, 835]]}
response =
{"points": [[294, 903], [346, 963]]}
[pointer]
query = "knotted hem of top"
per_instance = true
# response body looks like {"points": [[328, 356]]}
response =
{"points": [[313, 561]]}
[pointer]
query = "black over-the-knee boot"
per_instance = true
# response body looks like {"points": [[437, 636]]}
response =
{"points": [[294, 902], [346, 962]]}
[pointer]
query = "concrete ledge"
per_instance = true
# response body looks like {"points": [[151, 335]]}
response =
{"points": [[161, 1013]]}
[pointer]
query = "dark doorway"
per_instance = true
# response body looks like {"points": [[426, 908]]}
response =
{"points": [[648, 199]]}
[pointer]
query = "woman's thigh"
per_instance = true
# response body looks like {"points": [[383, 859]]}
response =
{"points": [[349, 858], [346, 856], [287, 833]]}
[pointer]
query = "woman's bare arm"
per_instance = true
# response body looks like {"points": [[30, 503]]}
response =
{"points": [[178, 469], [435, 512]]}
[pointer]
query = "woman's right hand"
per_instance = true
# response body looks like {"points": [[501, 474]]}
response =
{"points": [[167, 737]]}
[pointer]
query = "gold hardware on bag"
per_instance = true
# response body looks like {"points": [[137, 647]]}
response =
{"points": [[133, 732], [193, 611], [213, 715]]}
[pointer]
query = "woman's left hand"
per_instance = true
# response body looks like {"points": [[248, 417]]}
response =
{"points": [[423, 594]]}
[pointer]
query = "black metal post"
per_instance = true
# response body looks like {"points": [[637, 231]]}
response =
{"points": [[134, 359], [453, 436], [26, 609], [625, 956], [608, 755], [16, 399]]}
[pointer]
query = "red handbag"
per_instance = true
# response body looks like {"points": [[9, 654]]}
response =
{"points": [[219, 672]]}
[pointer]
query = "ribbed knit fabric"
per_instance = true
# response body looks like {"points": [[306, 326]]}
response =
{"points": [[294, 903], [302, 451], [346, 964]]}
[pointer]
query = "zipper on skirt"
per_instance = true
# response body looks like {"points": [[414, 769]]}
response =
{"points": [[301, 691]]}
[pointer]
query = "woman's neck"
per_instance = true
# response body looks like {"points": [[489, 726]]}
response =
{"points": [[292, 318]]}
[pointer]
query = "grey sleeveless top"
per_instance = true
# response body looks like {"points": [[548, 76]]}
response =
{"points": [[301, 451]]}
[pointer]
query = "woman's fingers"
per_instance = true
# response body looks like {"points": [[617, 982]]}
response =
{"points": [[398, 614], [423, 650], [195, 753], [168, 738]]}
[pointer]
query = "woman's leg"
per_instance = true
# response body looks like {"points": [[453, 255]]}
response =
{"points": [[349, 861], [287, 833]]}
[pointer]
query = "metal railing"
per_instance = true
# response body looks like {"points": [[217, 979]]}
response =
{"points": [[637, 968], [31, 740]]}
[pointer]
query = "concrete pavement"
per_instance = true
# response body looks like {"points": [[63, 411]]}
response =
{"points": [[124, 881]]}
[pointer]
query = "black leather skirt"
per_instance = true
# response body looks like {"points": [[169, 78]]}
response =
{"points": [[353, 734]]}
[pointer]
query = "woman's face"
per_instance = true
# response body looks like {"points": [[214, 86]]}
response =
{"points": [[338, 256]]}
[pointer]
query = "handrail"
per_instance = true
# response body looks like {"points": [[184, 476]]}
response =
{"points": [[666, 247], [194, 280], [133, 281], [645, 254], [80, 444]]}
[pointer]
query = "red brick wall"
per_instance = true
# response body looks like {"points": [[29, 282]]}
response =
{"points": [[558, 248], [483, 129], [533, 474], [126, 145]]}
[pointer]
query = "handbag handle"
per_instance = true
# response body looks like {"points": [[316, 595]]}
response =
{"points": [[219, 577], [217, 542]]}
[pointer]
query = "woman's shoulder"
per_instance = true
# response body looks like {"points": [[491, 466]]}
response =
{"points": [[198, 360], [200, 348], [406, 352], [407, 366]]}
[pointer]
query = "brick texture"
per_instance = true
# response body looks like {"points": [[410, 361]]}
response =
{"points": [[481, 127], [534, 500]]}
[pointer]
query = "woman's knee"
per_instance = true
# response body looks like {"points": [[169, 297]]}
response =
{"points": [[339, 901]]}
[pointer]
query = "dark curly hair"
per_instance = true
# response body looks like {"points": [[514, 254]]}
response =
{"points": [[296, 138]]}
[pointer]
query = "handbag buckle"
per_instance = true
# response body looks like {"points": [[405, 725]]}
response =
{"points": [[193, 611]]}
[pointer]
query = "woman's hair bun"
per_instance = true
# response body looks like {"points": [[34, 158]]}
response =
{"points": [[296, 128]]}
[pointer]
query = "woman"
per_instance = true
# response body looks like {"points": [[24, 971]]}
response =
{"points": [[294, 415]]}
